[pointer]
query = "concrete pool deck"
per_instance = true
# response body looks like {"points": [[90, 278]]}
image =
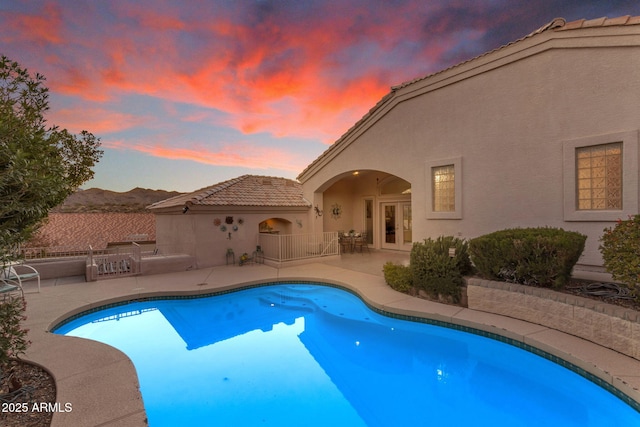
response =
{"points": [[100, 382]]}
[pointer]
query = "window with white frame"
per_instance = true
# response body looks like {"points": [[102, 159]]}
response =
{"points": [[601, 177], [444, 188]]}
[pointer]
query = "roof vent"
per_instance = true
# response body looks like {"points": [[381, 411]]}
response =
{"points": [[266, 181]]}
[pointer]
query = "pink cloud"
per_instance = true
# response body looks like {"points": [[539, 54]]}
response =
{"points": [[95, 120], [264, 66], [250, 71], [231, 154], [41, 27], [307, 70]]}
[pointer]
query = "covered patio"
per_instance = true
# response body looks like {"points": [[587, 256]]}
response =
{"points": [[366, 202]]}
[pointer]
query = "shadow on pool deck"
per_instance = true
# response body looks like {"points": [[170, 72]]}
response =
{"points": [[101, 383]]}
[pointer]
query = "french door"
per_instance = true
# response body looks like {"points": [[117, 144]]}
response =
{"points": [[396, 225]]}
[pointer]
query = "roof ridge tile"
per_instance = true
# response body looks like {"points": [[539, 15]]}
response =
{"points": [[620, 20], [601, 22], [597, 22]]}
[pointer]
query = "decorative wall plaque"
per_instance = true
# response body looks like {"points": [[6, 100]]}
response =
{"points": [[336, 211]]}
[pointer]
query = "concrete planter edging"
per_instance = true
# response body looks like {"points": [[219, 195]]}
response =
{"points": [[608, 325]]}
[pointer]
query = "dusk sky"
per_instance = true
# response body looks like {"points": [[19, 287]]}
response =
{"points": [[185, 94]]}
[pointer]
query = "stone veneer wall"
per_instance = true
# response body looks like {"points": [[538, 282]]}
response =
{"points": [[611, 326]]}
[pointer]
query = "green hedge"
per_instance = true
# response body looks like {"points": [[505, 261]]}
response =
{"points": [[530, 256], [435, 271], [398, 277], [620, 250]]}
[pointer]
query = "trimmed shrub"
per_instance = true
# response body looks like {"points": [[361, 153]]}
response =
{"points": [[437, 266], [620, 249], [397, 276], [531, 256]]}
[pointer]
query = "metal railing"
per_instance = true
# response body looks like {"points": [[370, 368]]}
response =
{"points": [[37, 253], [291, 247], [70, 252], [122, 262]]}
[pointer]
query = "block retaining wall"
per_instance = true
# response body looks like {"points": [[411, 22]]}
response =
{"points": [[609, 325]]}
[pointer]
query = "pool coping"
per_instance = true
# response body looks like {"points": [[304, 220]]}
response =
{"points": [[101, 383]]}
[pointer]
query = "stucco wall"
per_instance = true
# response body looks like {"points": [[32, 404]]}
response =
{"points": [[507, 124], [339, 195], [349, 194], [195, 233]]}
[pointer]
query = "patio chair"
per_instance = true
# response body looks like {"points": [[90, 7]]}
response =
{"points": [[361, 242], [19, 273], [346, 242], [7, 287]]}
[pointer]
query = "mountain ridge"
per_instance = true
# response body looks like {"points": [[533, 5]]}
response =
{"points": [[95, 200]]}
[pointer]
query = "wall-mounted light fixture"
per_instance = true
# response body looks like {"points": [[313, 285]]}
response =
{"points": [[185, 209]]}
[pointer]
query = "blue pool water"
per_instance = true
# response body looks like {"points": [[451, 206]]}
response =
{"points": [[310, 355]]}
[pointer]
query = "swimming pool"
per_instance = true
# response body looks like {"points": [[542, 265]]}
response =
{"points": [[303, 354]]}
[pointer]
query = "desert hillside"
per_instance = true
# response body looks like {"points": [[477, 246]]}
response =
{"points": [[96, 200]]}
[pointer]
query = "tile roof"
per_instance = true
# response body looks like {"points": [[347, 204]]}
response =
{"points": [[246, 190], [558, 24], [600, 22], [79, 230]]}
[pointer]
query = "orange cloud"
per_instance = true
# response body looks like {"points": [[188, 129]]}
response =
{"points": [[247, 81], [267, 78], [44, 27], [304, 70], [233, 154], [78, 84], [95, 120]]}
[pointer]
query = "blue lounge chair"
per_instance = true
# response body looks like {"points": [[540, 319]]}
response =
{"points": [[19, 273], [9, 286]]}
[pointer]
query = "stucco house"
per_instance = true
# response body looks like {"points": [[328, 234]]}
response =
{"points": [[540, 132]]}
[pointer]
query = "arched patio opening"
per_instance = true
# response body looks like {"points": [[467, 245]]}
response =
{"points": [[276, 226], [372, 202]]}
